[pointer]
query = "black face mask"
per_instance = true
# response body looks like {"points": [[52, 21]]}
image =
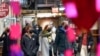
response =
{"points": [[31, 31]]}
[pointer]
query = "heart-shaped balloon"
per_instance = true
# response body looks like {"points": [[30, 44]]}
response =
{"points": [[82, 12], [68, 52], [16, 8], [15, 31], [97, 5]]}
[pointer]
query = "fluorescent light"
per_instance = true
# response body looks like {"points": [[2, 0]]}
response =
{"points": [[47, 14], [44, 15], [61, 8]]}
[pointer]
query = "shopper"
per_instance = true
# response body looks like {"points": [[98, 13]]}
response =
{"points": [[52, 36], [90, 43], [85, 40], [37, 29], [29, 42], [6, 42], [45, 41], [61, 42], [70, 37]]}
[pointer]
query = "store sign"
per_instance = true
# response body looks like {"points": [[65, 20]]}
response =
{"points": [[4, 10]]}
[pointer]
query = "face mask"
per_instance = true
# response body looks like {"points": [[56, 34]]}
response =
{"points": [[37, 28], [31, 31]]}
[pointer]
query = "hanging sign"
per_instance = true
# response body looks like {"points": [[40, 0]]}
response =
{"points": [[4, 10]]}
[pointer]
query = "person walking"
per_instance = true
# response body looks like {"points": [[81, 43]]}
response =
{"points": [[61, 42], [85, 42], [45, 41]]}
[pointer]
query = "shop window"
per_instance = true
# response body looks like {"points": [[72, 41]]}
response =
{"points": [[28, 4]]}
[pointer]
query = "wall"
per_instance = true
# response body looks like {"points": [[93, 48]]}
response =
{"points": [[44, 21], [95, 26]]}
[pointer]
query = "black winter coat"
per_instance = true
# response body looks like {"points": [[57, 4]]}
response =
{"points": [[6, 44], [61, 42], [30, 45]]}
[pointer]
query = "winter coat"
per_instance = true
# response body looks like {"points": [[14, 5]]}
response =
{"points": [[6, 44], [30, 45], [44, 43], [61, 41]]}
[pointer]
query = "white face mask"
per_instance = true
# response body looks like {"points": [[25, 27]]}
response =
{"points": [[37, 28]]}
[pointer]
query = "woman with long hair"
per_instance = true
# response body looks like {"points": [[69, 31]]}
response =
{"points": [[44, 48]]}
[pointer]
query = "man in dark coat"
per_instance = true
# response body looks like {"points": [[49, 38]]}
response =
{"points": [[37, 29], [6, 42], [61, 42]]}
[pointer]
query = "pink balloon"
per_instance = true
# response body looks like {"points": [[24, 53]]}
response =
{"points": [[15, 6], [71, 10], [15, 31], [98, 5], [98, 50], [71, 34], [15, 48], [68, 52], [14, 0]]}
